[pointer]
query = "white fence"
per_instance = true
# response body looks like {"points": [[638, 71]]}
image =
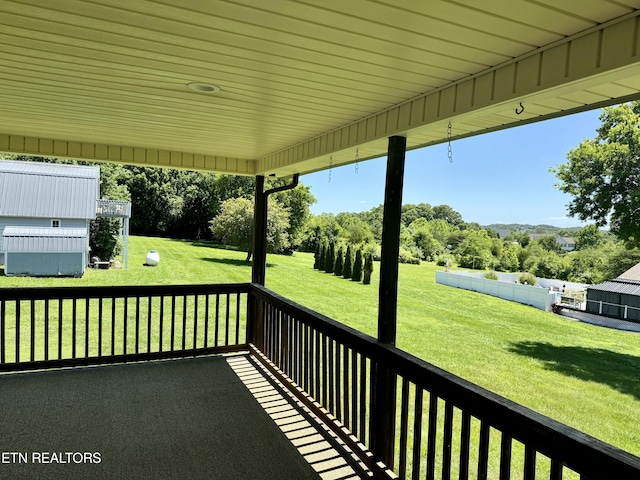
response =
{"points": [[526, 294]]}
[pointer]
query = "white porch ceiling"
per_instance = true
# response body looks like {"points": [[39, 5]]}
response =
{"points": [[302, 83]]}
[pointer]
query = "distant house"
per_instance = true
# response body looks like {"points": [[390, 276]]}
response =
{"points": [[45, 210], [567, 244]]}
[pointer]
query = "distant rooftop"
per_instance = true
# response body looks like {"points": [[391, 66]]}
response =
{"points": [[48, 190], [51, 169]]}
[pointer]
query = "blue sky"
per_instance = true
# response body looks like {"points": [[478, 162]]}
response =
{"points": [[500, 177]]}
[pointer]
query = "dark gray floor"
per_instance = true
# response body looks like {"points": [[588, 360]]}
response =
{"points": [[183, 419]]}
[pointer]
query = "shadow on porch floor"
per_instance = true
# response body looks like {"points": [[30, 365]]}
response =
{"points": [[205, 418]]}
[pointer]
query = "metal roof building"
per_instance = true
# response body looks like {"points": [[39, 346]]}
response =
{"points": [[47, 190], [44, 251], [45, 209], [618, 298]]}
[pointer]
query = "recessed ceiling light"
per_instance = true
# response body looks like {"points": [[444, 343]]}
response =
{"points": [[202, 87]]}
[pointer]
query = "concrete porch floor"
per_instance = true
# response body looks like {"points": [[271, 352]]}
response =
{"points": [[219, 417]]}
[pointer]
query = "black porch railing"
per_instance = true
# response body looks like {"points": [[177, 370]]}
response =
{"points": [[445, 427], [54, 327]]}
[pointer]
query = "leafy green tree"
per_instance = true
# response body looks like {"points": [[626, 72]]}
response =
{"points": [[602, 174], [423, 239], [588, 237], [356, 275], [620, 261], [234, 225], [551, 265], [475, 250], [156, 204], [195, 190], [297, 202], [319, 228], [508, 260], [368, 268], [373, 218], [549, 243], [104, 238], [348, 262], [410, 213], [337, 269], [448, 214]]}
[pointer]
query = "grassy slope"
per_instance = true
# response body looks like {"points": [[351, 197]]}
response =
{"points": [[582, 375]]}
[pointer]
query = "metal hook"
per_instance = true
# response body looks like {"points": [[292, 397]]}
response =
{"points": [[521, 109]]}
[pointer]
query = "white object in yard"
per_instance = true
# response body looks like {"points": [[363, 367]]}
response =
{"points": [[153, 258]]}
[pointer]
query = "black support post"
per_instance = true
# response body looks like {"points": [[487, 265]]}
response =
{"points": [[384, 383], [259, 233]]}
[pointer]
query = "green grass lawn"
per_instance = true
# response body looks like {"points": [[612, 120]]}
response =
{"points": [[582, 375]]}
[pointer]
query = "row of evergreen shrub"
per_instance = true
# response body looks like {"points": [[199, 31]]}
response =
{"points": [[344, 264]]}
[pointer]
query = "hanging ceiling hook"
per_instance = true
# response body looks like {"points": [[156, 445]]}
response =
{"points": [[520, 110]]}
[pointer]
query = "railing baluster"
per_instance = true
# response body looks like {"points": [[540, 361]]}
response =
{"points": [[74, 308], [149, 321], [465, 433], [431, 436], [113, 326], [354, 391], [404, 427], [46, 329], [312, 363], [556, 470], [32, 333], [100, 313], [305, 357], [417, 433], [215, 343], [325, 373], [363, 398], [206, 321], [529, 463], [59, 328], [331, 366], [317, 360], [125, 326], [195, 321], [345, 390], [338, 412], [483, 451], [173, 322], [3, 341], [505, 457], [137, 349], [184, 322], [87, 305], [226, 322], [447, 441], [295, 343], [17, 331], [161, 327], [237, 319]]}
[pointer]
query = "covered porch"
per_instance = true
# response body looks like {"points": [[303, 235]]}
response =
{"points": [[287, 390]]}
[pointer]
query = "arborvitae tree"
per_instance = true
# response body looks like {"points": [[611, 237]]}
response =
{"points": [[368, 268], [316, 257], [337, 269], [348, 261], [321, 256], [330, 259], [356, 276]]}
